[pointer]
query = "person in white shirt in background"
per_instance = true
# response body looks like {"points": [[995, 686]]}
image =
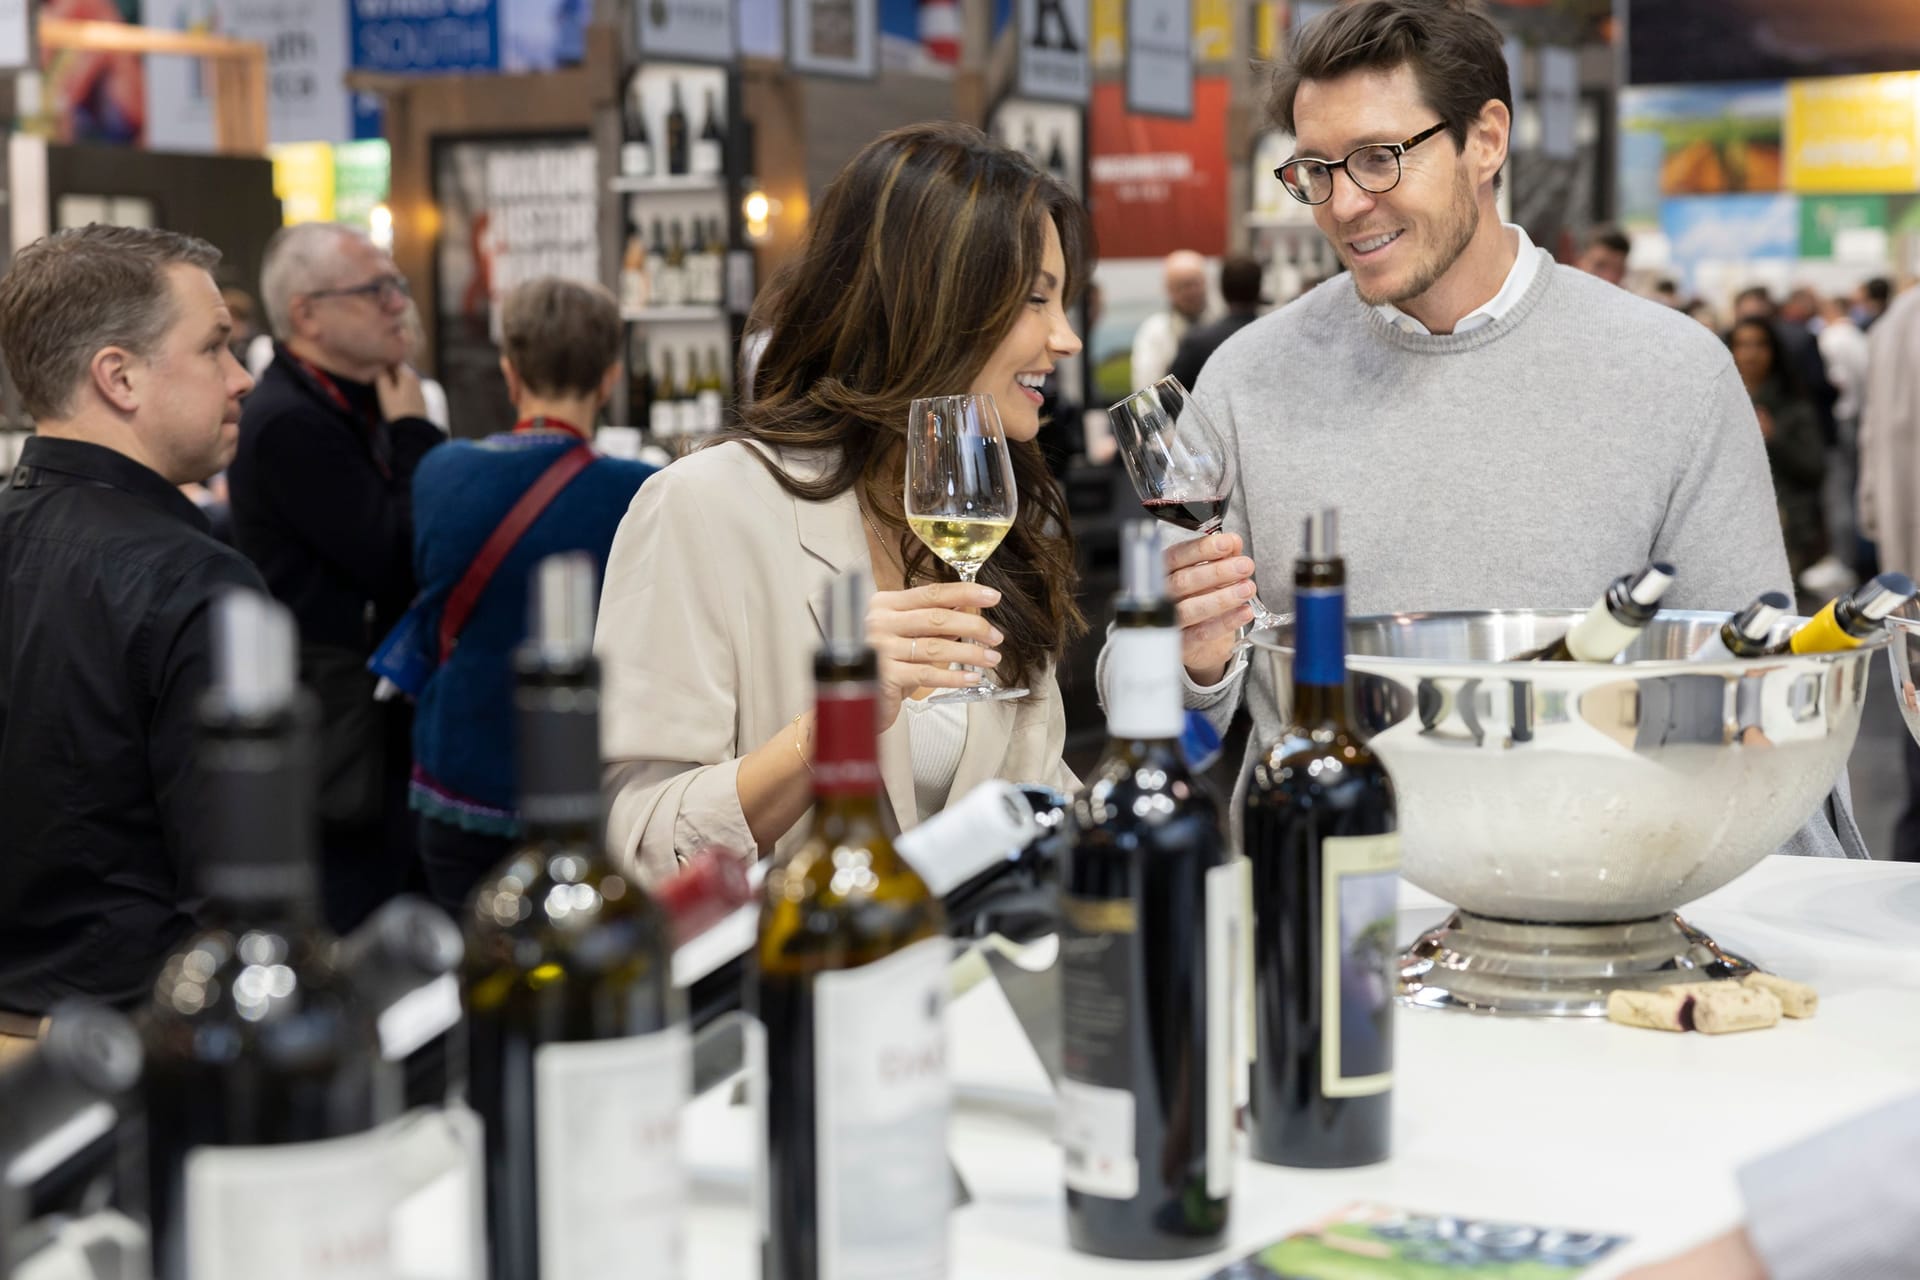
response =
{"points": [[1158, 337]]}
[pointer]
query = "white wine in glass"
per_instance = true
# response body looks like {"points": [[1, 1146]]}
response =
{"points": [[961, 497]]}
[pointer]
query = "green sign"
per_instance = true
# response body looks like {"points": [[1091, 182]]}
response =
{"points": [[1823, 218], [362, 175]]}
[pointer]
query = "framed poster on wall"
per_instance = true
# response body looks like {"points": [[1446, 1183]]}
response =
{"points": [[511, 209], [834, 37]]}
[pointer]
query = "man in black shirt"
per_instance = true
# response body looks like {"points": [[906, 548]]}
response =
{"points": [[321, 496], [116, 340], [1240, 279]]}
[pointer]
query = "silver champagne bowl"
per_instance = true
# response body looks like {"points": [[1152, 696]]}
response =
{"points": [[1568, 808]]}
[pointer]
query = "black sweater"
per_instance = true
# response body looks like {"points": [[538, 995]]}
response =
{"points": [[322, 503]]}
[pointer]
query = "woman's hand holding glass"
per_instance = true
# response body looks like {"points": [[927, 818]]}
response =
{"points": [[961, 499], [917, 634]]}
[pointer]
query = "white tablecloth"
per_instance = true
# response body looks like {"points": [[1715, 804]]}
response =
{"points": [[1572, 1123]]}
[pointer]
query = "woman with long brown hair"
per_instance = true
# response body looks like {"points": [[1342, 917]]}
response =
{"points": [[938, 262]]}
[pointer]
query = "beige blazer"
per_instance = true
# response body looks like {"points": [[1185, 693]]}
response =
{"points": [[1890, 436], [709, 619]]}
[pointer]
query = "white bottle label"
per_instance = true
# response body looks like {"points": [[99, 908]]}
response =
{"points": [[670, 286], [636, 159], [687, 416], [710, 410], [880, 1063], [706, 158], [1145, 698], [298, 1211], [662, 418], [1359, 920], [1096, 1136], [607, 1120], [1225, 924], [980, 830]]}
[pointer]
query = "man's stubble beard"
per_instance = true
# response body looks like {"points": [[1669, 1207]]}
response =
{"points": [[1456, 233]]}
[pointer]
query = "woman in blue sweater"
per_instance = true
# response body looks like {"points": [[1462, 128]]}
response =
{"points": [[560, 354]]}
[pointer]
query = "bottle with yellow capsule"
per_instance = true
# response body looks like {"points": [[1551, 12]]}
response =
{"points": [[1851, 620]]}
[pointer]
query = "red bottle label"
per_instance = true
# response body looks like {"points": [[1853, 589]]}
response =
{"points": [[846, 747]]}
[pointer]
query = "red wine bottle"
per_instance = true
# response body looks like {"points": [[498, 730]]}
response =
{"points": [[1323, 836], [1150, 906]]}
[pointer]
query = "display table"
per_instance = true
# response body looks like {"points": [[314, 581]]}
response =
{"points": [[1574, 1123]]}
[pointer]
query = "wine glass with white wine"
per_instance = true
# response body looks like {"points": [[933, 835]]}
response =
{"points": [[961, 497]]}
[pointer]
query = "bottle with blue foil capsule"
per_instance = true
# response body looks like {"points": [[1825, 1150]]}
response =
{"points": [[1323, 839], [1150, 908]]}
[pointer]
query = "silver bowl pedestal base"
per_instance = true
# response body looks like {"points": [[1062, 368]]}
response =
{"points": [[1485, 965]]}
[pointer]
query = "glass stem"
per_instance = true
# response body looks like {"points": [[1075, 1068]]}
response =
{"points": [[967, 575]]}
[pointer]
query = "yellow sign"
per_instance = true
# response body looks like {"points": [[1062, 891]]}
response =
{"points": [[303, 179], [1212, 31], [1854, 133], [1109, 34]]}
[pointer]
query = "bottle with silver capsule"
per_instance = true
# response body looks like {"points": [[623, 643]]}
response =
{"points": [[1613, 623], [1748, 633]]}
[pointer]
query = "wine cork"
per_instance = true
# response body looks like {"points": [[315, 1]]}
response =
{"points": [[1733, 1007], [1797, 999], [1656, 1010]]}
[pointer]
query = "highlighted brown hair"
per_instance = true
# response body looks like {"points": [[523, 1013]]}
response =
{"points": [[918, 261]]}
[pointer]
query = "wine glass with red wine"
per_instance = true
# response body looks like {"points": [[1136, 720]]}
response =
{"points": [[1180, 465]]}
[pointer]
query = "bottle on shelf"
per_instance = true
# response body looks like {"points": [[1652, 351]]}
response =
{"points": [[1149, 956], [634, 286], [686, 406], [1057, 161], [702, 282], [657, 282], [1748, 633], [670, 286], [711, 394], [1322, 838], [640, 397], [1848, 621], [579, 1057], [849, 981], [1614, 622], [710, 148], [636, 147], [1030, 142], [717, 246], [677, 140], [265, 1090], [664, 420]]}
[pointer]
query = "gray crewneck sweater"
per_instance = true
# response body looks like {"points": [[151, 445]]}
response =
{"points": [[1523, 465]]}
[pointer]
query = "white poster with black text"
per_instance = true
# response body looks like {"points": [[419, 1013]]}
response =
{"points": [[1053, 51], [1160, 58], [700, 30], [307, 98]]}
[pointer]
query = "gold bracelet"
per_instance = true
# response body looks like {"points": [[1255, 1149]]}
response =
{"points": [[797, 736]]}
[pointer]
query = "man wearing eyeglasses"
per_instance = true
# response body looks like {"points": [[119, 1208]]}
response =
{"points": [[321, 491], [1498, 431]]}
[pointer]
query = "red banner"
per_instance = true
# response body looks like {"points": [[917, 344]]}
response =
{"points": [[1157, 184]]}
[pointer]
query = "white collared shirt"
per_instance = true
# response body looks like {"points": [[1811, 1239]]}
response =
{"points": [[1526, 265]]}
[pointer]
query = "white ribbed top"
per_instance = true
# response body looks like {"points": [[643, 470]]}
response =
{"points": [[936, 734]]}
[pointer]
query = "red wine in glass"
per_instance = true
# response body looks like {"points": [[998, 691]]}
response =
{"points": [[1179, 464], [1195, 515]]}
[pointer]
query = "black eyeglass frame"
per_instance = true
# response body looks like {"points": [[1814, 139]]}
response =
{"points": [[377, 289], [1399, 150]]}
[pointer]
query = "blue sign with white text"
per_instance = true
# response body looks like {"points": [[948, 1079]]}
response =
{"points": [[419, 37]]}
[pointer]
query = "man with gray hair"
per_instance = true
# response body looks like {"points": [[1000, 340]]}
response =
{"points": [[320, 489], [116, 340], [1159, 335]]}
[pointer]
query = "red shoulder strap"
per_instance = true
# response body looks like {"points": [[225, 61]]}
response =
{"points": [[493, 552]]}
